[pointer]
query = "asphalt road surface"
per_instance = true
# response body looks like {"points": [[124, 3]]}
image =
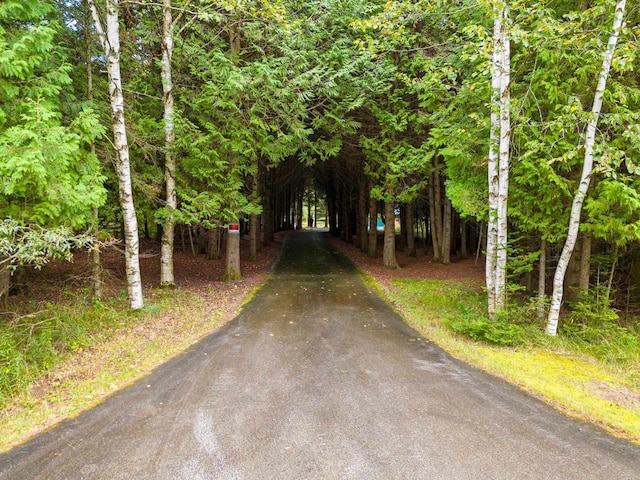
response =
{"points": [[319, 379]]}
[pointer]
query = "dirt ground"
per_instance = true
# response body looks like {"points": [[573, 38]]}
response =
{"points": [[63, 280], [421, 267], [59, 280]]}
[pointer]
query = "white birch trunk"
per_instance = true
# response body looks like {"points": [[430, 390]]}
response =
{"points": [[504, 52], [493, 177], [110, 41], [585, 177], [166, 250]]}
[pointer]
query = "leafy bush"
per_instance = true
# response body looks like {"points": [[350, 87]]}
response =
{"points": [[498, 333], [593, 325]]}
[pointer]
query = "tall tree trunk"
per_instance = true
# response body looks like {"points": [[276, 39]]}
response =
{"points": [[498, 171], [611, 275], [446, 232], [401, 245], [213, 246], [193, 248], [585, 263], [585, 178], [542, 278], [363, 239], [464, 248], [110, 41], [268, 210], [315, 211], [437, 221], [96, 263], [166, 250], [372, 244], [254, 220], [300, 207], [346, 214], [389, 249], [433, 220], [232, 272], [331, 210], [409, 221], [572, 278]]}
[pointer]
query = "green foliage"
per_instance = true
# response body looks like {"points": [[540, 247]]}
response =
{"points": [[497, 332], [48, 175], [592, 310], [459, 307], [614, 210], [35, 246], [594, 326], [31, 345]]}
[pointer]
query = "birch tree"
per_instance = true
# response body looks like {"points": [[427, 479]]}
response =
{"points": [[587, 170], [110, 42], [498, 167], [166, 252]]}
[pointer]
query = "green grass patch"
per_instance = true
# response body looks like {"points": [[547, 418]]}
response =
{"points": [[590, 375], [32, 345], [68, 358]]}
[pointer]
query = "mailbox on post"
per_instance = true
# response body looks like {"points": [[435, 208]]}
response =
{"points": [[234, 228]]}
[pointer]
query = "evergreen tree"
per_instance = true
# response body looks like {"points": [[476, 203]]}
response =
{"points": [[49, 176]]}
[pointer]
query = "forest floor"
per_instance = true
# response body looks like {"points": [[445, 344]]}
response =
{"points": [[173, 320], [422, 266]]}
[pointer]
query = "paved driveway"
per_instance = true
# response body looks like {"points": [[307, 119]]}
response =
{"points": [[319, 379]]}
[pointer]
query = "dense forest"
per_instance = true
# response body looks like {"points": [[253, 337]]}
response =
{"points": [[506, 129]]}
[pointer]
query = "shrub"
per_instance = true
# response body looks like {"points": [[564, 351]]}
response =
{"points": [[498, 333], [594, 326]]}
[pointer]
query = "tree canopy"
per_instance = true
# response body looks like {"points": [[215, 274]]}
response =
{"points": [[382, 109]]}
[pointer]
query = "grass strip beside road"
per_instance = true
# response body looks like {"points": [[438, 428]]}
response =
{"points": [[117, 356], [551, 369]]}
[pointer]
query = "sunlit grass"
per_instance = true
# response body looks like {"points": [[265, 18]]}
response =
{"points": [[558, 370]]}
